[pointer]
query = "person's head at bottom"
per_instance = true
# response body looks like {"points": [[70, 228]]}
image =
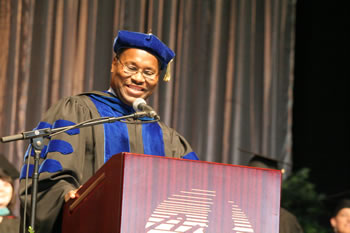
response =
{"points": [[8, 173], [340, 221], [6, 191]]}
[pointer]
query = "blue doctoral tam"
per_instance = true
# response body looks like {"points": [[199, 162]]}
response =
{"points": [[148, 42]]}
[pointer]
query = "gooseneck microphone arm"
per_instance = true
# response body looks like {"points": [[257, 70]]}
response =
{"points": [[48, 132]]}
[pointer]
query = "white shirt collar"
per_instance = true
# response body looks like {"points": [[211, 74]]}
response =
{"points": [[110, 90]]}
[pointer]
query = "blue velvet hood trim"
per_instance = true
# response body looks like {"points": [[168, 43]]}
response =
{"points": [[116, 134]]}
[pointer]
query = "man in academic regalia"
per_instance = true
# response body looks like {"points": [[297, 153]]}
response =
{"points": [[70, 158], [8, 173]]}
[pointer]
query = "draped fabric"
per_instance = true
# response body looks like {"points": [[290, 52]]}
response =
{"points": [[232, 79]]}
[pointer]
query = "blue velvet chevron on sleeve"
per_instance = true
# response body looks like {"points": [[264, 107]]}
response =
{"points": [[64, 123], [191, 156], [24, 171], [60, 146], [50, 165]]}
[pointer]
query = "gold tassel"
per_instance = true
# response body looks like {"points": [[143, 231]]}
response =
{"points": [[167, 75]]}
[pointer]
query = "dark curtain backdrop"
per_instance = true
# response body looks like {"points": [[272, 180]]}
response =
{"points": [[231, 90]]}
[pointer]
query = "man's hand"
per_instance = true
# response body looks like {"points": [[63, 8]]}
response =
{"points": [[71, 195]]}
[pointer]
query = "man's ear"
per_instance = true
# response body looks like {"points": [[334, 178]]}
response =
{"points": [[114, 65], [333, 222]]}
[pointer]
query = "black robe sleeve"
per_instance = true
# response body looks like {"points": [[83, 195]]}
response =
{"points": [[70, 161]]}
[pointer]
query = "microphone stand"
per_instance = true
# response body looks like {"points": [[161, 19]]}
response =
{"points": [[37, 142]]}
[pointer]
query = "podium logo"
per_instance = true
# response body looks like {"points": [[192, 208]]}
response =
{"points": [[189, 211], [240, 220]]}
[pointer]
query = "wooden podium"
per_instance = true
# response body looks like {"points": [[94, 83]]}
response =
{"points": [[135, 193]]}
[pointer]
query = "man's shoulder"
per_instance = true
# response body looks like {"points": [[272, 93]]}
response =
{"points": [[164, 126], [99, 93], [78, 101], [81, 98], [169, 131]]}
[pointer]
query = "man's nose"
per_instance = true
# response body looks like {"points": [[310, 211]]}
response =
{"points": [[138, 77]]}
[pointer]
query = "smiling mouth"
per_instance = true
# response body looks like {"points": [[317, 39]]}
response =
{"points": [[136, 88], [135, 91]]}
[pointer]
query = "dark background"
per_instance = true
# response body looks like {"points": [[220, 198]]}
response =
{"points": [[321, 99]]}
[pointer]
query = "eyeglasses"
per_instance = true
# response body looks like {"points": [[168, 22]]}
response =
{"points": [[131, 70]]}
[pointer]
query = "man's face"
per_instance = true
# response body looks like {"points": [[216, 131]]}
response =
{"points": [[129, 87], [341, 222]]}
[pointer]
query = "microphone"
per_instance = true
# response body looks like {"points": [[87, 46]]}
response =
{"points": [[140, 105]]}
